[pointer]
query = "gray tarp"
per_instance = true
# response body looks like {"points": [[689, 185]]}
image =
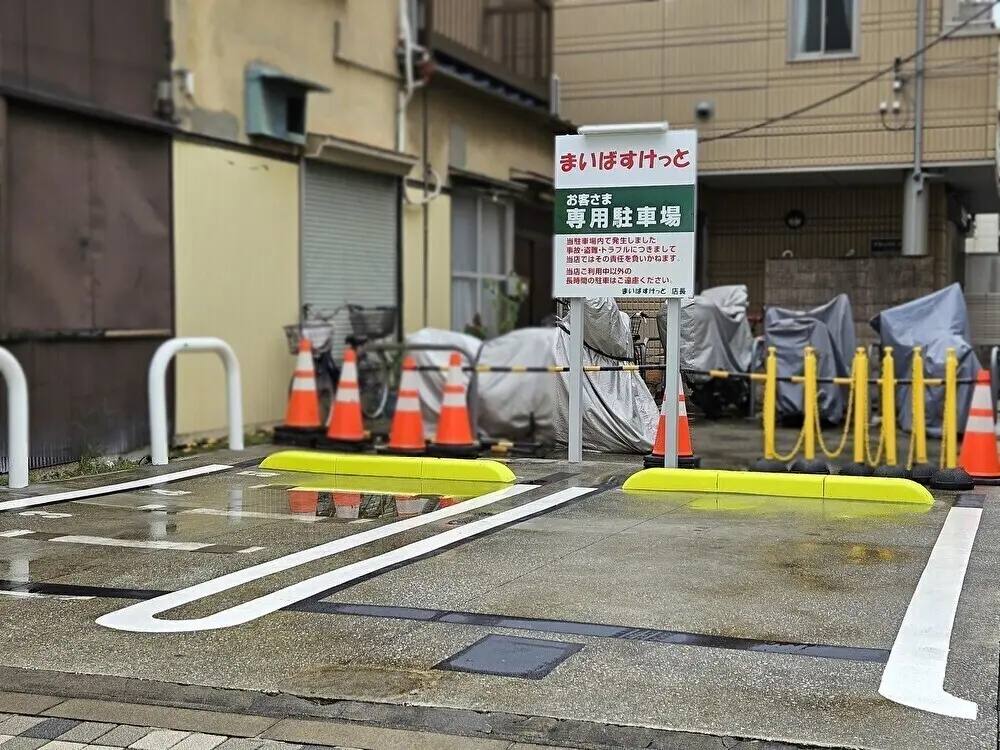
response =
{"points": [[619, 414], [829, 329], [936, 323], [715, 334]]}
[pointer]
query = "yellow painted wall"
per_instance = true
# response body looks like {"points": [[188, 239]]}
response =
{"points": [[215, 39], [633, 62], [439, 269], [236, 266], [499, 139]]}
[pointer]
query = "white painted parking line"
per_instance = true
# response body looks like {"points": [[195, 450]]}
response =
{"points": [[141, 617], [255, 473], [301, 518], [914, 673], [110, 489]]}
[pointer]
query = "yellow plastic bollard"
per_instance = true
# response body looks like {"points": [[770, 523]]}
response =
{"points": [[888, 414], [920, 471], [859, 467], [770, 462], [809, 464], [950, 476]]}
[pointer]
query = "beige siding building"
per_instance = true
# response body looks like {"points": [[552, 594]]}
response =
{"points": [[799, 163], [380, 153]]}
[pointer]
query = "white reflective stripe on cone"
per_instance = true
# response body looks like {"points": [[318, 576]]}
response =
{"points": [[981, 397], [408, 403], [979, 424], [304, 361], [348, 396], [304, 384], [349, 373], [682, 410], [455, 376], [409, 381], [453, 398]]}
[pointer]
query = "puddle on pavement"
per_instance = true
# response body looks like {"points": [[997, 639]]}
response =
{"points": [[825, 509], [365, 498]]}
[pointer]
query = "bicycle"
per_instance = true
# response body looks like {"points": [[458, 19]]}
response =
{"points": [[368, 324]]}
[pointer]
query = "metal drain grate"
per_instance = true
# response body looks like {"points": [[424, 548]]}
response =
{"points": [[510, 656]]}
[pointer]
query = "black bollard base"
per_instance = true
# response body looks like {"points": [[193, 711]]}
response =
{"points": [[891, 472], [809, 466], [856, 470], [653, 461], [922, 473], [769, 465], [952, 480]]}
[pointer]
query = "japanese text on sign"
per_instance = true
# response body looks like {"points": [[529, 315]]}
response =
{"points": [[610, 160]]}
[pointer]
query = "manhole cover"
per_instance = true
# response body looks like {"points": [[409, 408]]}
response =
{"points": [[509, 656]]}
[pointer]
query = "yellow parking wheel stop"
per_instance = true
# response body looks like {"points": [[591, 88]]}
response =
{"points": [[393, 467], [872, 489]]}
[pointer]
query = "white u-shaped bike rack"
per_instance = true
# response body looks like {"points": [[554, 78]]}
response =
{"points": [[159, 450], [17, 420]]}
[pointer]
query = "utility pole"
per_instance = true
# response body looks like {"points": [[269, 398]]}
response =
{"points": [[915, 198]]}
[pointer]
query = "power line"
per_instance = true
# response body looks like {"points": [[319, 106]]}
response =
{"points": [[852, 88]]}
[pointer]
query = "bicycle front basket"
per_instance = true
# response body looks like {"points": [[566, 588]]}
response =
{"points": [[319, 333], [373, 322]]}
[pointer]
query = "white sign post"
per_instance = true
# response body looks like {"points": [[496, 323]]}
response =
{"points": [[625, 222]]}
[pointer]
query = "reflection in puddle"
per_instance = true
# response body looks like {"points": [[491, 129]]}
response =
{"points": [[353, 506]]}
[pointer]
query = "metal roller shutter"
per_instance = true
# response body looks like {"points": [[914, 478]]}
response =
{"points": [[349, 241]]}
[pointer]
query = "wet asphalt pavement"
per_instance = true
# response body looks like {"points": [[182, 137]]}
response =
{"points": [[733, 617]]}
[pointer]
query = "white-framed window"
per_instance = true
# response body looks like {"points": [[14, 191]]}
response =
{"points": [[482, 255], [823, 28], [979, 16]]}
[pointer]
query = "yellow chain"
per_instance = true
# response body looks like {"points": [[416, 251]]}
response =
{"points": [[848, 416], [881, 444], [912, 452], [795, 450]]}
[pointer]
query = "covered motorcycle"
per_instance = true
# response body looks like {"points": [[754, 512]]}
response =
{"points": [[714, 335], [829, 330], [936, 323]]}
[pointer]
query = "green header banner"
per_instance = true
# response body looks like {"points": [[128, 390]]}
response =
{"points": [[625, 210]]}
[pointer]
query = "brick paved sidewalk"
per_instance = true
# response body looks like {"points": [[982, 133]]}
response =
{"points": [[33, 722], [38, 733]]}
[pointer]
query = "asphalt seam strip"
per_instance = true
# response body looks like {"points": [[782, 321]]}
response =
{"points": [[656, 636]]}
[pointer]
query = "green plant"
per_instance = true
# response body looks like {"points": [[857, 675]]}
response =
{"points": [[506, 305]]}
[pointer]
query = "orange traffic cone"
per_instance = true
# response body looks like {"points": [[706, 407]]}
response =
{"points": [[685, 455], [303, 502], [302, 424], [406, 438], [346, 430], [454, 435], [979, 445], [346, 505], [408, 506]]}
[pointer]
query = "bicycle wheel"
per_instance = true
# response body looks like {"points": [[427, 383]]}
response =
{"points": [[373, 383]]}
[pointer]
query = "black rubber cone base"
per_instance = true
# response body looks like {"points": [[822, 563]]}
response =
{"points": [[652, 461], [300, 437], [856, 470], [809, 466], [922, 473], [405, 452], [344, 446], [953, 480], [891, 472], [454, 451], [769, 466]]}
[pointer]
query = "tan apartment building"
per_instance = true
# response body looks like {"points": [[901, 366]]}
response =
{"points": [[375, 152], [810, 132]]}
